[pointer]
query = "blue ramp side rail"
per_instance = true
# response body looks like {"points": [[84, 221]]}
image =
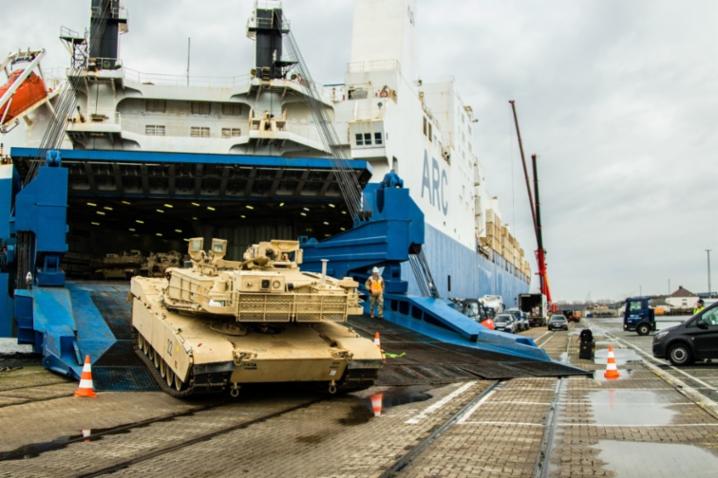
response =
{"points": [[435, 318], [393, 231]]}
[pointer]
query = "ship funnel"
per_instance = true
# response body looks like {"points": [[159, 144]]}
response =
{"points": [[267, 26], [108, 20]]}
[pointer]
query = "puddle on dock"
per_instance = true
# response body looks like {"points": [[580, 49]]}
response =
{"points": [[625, 373], [641, 459], [623, 356], [86, 435], [630, 407], [361, 412]]}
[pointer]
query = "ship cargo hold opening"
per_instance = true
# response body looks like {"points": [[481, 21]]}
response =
{"points": [[121, 203]]}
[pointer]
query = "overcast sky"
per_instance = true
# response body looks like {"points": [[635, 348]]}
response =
{"points": [[618, 98]]}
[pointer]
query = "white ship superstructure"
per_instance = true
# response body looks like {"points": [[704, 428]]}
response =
{"points": [[424, 132], [383, 114]]}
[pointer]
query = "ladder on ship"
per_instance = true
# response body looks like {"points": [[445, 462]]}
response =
{"points": [[349, 186], [422, 273]]}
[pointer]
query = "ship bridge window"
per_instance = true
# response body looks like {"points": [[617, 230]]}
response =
{"points": [[377, 138], [362, 139], [231, 132], [200, 107], [155, 106], [199, 131], [155, 130], [231, 109]]}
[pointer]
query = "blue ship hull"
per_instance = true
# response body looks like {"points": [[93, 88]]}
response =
{"points": [[471, 274]]}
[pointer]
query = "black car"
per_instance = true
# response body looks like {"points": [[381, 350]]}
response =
{"points": [[694, 339], [558, 322]]}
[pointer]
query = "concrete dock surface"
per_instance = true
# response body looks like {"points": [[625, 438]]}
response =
{"points": [[654, 421]]}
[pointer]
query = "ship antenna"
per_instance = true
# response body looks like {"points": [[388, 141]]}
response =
{"points": [[189, 49]]}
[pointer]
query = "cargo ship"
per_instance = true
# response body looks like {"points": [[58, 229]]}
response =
{"points": [[384, 117]]}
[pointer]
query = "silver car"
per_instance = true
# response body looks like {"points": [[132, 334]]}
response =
{"points": [[505, 323]]}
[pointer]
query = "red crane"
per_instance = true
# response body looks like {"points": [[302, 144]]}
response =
{"points": [[535, 212]]}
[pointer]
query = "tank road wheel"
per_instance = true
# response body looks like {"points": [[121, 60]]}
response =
{"points": [[156, 359], [170, 375], [140, 342], [178, 383], [163, 370]]}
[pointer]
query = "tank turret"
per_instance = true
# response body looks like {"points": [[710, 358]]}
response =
{"points": [[266, 286], [218, 323]]}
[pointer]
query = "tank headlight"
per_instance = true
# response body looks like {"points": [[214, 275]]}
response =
{"points": [[276, 284]]}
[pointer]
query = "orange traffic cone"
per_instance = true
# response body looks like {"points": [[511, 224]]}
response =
{"points": [[376, 403], [377, 339], [611, 372], [86, 389]]}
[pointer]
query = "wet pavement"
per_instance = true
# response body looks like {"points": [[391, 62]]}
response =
{"points": [[638, 425], [630, 407], [678, 459]]}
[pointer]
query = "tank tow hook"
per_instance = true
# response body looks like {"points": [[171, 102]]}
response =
{"points": [[234, 390], [332, 387]]}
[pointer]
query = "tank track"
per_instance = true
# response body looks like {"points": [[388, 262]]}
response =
{"points": [[218, 384], [204, 385]]}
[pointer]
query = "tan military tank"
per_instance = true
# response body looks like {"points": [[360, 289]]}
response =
{"points": [[157, 263], [120, 266], [220, 324]]}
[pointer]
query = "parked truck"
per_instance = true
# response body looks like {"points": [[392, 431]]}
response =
{"points": [[536, 306]]}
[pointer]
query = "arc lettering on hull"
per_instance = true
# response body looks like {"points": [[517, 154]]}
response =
{"points": [[435, 182]]}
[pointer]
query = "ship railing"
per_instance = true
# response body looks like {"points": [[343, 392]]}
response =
{"points": [[167, 79], [255, 22], [210, 126]]}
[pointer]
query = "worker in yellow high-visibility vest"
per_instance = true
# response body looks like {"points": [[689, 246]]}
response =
{"points": [[699, 307], [375, 286]]}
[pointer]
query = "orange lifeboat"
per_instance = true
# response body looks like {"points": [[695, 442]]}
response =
{"points": [[27, 95]]}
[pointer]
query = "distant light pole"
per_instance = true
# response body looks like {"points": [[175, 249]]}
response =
{"points": [[669, 286], [708, 261]]}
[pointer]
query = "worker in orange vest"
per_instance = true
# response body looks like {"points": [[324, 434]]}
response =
{"points": [[375, 286]]}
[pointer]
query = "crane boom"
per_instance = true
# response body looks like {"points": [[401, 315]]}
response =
{"points": [[540, 251], [535, 211]]}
